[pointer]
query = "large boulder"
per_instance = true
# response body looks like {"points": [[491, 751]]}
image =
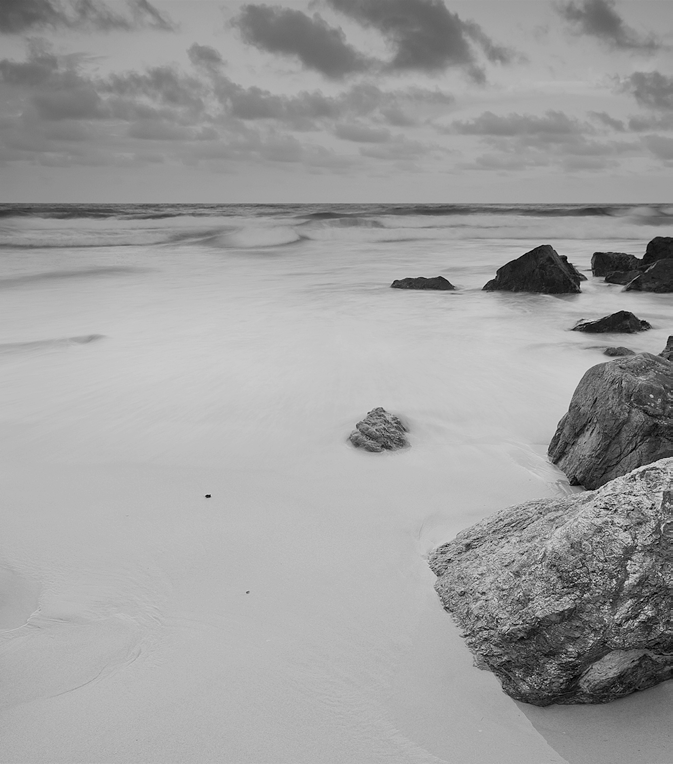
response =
{"points": [[569, 600], [657, 278], [379, 431], [620, 417], [540, 270], [623, 321], [421, 282], [603, 263], [660, 248]]}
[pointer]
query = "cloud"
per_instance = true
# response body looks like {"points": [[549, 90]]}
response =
{"points": [[424, 34], [660, 145], [158, 130], [160, 83], [398, 150], [521, 141], [395, 115], [20, 16], [588, 162], [65, 114], [30, 73], [361, 133], [282, 149], [553, 124], [651, 89], [599, 19], [505, 162], [301, 110], [608, 121], [205, 56], [641, 122], [310, 39], [310, 110], [82, 102]]}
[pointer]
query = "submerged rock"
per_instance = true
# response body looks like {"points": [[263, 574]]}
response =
{"points": [[667, 352], [660, 248], [540, 270], [622, 321], [569, 600], [618, 351], [657, 278], [603, 263], [421, 282], [379, 431], [620, 417]]}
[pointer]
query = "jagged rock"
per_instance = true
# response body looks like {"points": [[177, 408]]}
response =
{"points": [[621, 277], [569, 600], [603, 263], [660, 248], [540, 270], [572, 268], [620, 417], [618, 351], [379, 431], [657, 278], [436, 282], [622, 321], [667, 352]]}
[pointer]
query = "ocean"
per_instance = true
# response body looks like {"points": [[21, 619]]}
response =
{"points": [[153, 354]]}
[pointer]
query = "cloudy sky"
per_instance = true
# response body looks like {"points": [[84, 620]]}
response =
{"points": [[336, 101]]}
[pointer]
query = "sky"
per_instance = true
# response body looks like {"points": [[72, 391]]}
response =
{"points": [[521, 101]]}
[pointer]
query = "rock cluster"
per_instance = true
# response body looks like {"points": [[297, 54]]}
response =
{"points": [[540, 270], [620, 417], [652, 273], [660, 248], [657, 278], [421, 282], [569, 600], [623, 322], [379, 431]]}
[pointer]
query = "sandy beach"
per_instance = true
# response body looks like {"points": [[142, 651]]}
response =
{"points": [[291, 616]]}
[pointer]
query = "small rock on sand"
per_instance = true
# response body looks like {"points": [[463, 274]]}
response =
{"points": [[379, 431]]}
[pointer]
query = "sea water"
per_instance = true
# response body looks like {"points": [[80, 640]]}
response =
{"points": [[153, 354]]}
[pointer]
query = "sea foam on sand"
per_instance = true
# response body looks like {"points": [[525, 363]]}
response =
{"points": [[291, 616]]}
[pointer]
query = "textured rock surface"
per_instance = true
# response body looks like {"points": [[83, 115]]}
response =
{"points": [[657, 278], [436, 282], [618, 351], [660, 248], [667, 352], [621, 277], [603, 263], [379, 431], [572, 268], [540, 270], [622, 321], [569, 600], [620, 417]]}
